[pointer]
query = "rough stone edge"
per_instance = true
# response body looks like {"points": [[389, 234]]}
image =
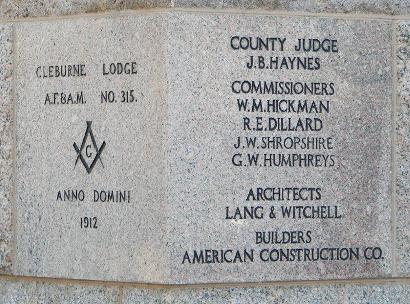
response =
{"points": [[23, 291], [402, 233], [388, 292], [27, 292], [383, 7], [397, 293], [6, 147], [16, 9]]}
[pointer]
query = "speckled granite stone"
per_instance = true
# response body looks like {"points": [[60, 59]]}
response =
{"points": [[40, 8], [125, 240], [390, 293], [6, 148], [394, 7], [204, 125], [403, 148], [146, 295], [37, 8], [388, 7], [24, 292], [174, 150], [285, 295], [237, 295]]}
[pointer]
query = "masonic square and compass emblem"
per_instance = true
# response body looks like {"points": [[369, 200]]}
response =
{"points": [[87, 151]]}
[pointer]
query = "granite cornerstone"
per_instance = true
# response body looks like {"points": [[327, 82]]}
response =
{"points": [[205, 152]]}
